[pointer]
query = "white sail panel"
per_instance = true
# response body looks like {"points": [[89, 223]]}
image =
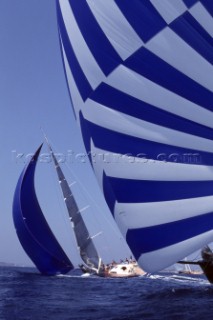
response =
{"points": [[169, 10], [77, 100], [203, 17], [183, 58], [117, 29], [141, 215], [166, 168], [82, 52], [116, 121], [139, 87]]}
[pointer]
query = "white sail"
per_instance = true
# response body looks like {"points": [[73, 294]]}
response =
{"points": [[140, 76], [84, 241]]}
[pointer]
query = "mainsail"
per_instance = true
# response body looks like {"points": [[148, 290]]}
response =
{"points": [[32, 229], [140, 76], [84, 241]]}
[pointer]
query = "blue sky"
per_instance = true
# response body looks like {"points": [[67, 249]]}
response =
{"points": [[33, 94]]}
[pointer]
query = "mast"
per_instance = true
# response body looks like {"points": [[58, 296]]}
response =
{"points": [[84, 241]]}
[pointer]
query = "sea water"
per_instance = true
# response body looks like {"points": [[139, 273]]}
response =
{"points": [[27, 295]]}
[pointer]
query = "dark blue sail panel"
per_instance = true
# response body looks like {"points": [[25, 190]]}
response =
{"points": [[137, 191], [194, 34], [108, 193], [124, 144], [143, 17], [190, 3], [32, 229], [115, 99], [149, 65], [208, 4], [168, 234], [107, 57], [83, 84]]}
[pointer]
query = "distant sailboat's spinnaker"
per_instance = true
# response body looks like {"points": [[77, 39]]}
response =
{"points": [[85, 244], [140, 78], [32, 229]]}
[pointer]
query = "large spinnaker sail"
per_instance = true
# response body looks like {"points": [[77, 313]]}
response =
{"points": [[32, 229], [85, 243], [140, 77]]}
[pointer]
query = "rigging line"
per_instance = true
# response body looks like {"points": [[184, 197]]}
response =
{"points": [[197, 257], [39, 242], [108, 220], [66, 221], [70, 219], [96, 235], [83, 209], [112, 224], [91, 198], [62, 208], [72, 184]]}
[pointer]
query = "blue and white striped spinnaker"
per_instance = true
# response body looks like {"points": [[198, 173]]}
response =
{"points": [[140, 77]]}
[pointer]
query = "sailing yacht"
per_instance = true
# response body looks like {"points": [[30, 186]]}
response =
{"points": [[92, 262], [34, 233], [206, 263], [38, 240], [125, 269], [188, 270]]}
